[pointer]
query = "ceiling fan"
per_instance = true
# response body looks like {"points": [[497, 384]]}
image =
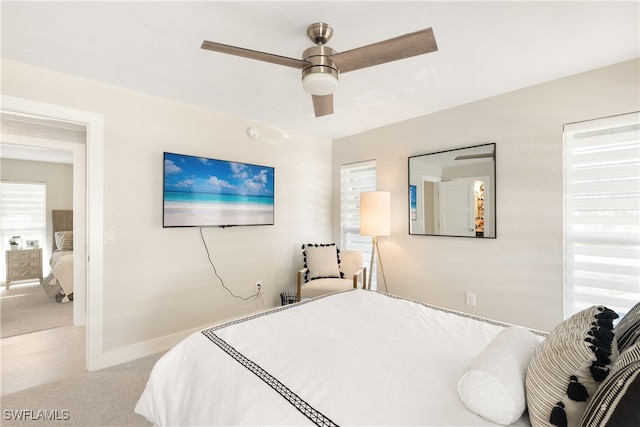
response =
{"points": [[321, 65]]}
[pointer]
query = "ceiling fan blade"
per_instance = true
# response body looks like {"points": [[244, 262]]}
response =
{"points": [[406, 46], [322, 105], [475, 156], [254, 54]]}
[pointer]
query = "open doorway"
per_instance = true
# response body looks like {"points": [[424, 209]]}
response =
{"points": [[87, 208], [51, 147], [42, 326]]}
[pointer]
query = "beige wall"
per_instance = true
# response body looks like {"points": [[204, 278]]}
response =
{"points": [[59, 180], [158, 282], [517, 277]]}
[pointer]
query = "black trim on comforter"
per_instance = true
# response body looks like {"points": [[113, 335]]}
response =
{"points": [[296, 401]]}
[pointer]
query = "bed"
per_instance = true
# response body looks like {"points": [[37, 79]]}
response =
{"points": [[59, 283], [356, 357]]}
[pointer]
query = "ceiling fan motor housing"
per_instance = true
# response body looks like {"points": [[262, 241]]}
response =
{"points": [[321, 77]]}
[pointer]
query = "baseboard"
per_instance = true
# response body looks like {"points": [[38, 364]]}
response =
{"points": [[142, 349], [149, 347]]}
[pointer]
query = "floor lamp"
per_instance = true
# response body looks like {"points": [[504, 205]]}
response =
{"points": [[375, 221]]}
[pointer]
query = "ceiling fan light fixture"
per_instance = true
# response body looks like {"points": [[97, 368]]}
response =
{"points": [[320, 78], [319, 84]]}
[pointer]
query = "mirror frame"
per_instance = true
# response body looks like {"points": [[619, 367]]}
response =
{"points": [[440, 159]]}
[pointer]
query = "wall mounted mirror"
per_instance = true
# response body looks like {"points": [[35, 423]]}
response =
{"points": [[453, 192]]}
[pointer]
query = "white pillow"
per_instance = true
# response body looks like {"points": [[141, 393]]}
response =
{"points": [[321, 260], [493, 384], [64, 240]]}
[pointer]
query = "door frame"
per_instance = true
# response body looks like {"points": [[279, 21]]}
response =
{"points": [[90, 202]]}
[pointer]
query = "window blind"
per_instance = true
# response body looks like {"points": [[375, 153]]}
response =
{"points": [[354, 179], [22, 213], [602, 213]]}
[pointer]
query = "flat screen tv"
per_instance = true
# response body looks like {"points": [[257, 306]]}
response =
{"points": [[202, 192]]}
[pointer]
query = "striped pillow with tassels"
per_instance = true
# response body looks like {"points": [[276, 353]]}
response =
{"points": [[567, 368]]}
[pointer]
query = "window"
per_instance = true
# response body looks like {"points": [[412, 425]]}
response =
{"points": [[602, 213], [354, 179], [22, 213]]}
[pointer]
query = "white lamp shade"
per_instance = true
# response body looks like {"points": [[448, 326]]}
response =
{"points": [[375, 213], [319, 83]]}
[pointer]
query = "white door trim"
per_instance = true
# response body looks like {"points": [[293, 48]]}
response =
{"points": [[93, 203]]}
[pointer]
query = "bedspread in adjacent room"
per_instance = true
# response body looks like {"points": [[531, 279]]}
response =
{"points": [[353, 358], [62, 269]]}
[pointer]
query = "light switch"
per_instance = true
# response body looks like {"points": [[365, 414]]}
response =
{"points": [[110, 237]]}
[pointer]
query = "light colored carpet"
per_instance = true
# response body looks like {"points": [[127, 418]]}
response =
{"points": [[26, 308], [102, 398]]}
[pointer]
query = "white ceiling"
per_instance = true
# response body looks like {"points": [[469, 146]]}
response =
{"points": [[485, 48]]}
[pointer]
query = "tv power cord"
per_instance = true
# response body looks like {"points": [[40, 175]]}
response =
{"points": [[215, 272]]}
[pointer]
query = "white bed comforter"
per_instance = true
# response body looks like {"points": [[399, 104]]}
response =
{"points": [[62, 269], [357, 358]]}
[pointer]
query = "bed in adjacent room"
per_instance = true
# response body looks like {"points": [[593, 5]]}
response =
{"points": [[59, 283], [361, 357]]}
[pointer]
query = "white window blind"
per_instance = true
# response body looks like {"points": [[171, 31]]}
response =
{"points": [[602, 213], [354, 179], [22, 213]]}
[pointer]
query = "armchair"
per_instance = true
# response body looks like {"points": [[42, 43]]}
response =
{"points": [[328, 269]]}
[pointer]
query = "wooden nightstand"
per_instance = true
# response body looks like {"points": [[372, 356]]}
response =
{"points": [[24, 264]]}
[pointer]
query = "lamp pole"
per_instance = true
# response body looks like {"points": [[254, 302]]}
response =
{"points": [[374, 246], [375, 250], [375, 213]]}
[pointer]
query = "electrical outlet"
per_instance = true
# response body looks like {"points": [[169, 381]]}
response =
{"points": [[258, 286], [471, 298]]}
